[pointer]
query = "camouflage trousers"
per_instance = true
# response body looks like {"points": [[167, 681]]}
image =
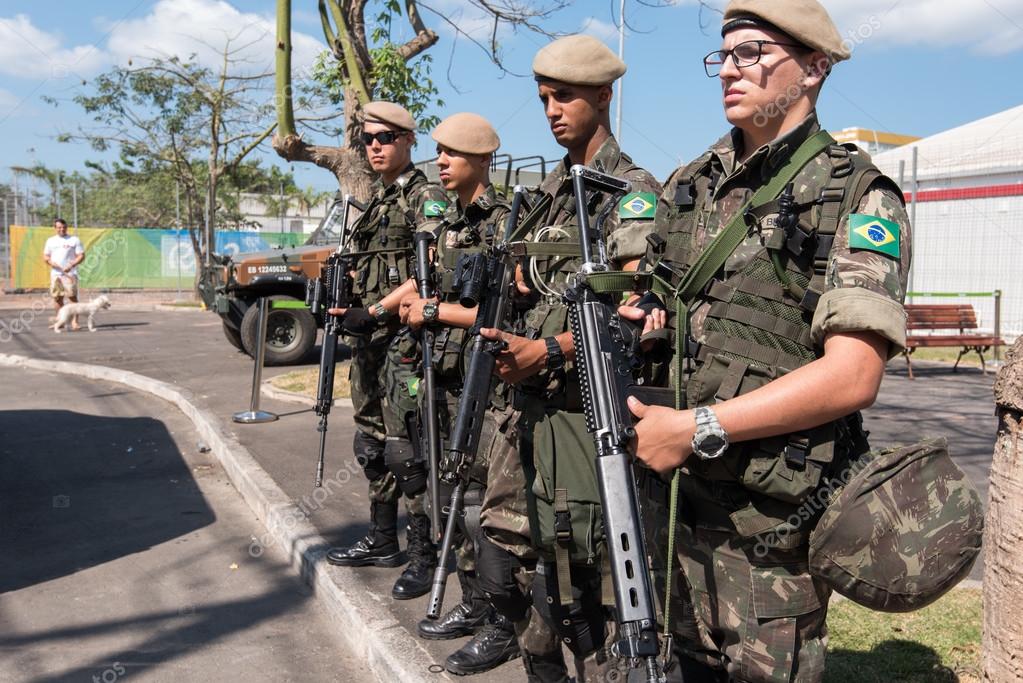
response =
{"points": [[742, 606], [376, 373], [505, 512]]}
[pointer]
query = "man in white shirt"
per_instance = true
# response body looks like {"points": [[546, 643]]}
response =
{"points": [[63, 253]]}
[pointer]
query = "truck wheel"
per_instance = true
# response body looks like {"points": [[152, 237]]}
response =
{"points": [[290, 332], [233, 335]]}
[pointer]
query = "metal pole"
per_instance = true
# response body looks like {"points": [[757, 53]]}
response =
{"points": [[902, 172], [998, 323], [177, 230], [283, 210], [621, 81], [254, 415], [74, 204], [912, 216], [59, 188]]}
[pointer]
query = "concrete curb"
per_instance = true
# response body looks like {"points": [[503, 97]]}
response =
{"points": [[392, 652], [270, 391]]}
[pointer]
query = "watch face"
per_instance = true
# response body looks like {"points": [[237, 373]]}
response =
{"points": [[712, 445]]}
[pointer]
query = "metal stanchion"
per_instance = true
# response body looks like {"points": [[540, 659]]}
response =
{"points": [[254, 415]]}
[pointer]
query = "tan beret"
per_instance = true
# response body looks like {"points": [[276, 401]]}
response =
{"points": [[389, 113], [806, 21], [578, 59], [466, 133]]}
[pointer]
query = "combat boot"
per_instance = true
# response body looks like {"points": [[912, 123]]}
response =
{"points": [[494, 645], [379, 547], [417, 578], [548, 668], [464, 619]]}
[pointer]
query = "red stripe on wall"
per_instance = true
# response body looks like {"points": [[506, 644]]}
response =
{"points": [[984, 192]]}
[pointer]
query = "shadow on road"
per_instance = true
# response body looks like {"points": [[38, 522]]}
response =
{"points": [[79, 490]]}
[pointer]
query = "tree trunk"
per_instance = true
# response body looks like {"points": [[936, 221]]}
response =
{"points": [[1003, 535]]}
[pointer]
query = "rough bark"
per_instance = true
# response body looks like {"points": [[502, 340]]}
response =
{"points": [[348, 166], [1002, 657]]}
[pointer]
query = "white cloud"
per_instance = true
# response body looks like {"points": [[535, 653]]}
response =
{"points": [[201, 27], [985, 26], [603, 30], [29, 52]]}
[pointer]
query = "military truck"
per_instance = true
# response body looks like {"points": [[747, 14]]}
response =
{"points": [[232, 286]]}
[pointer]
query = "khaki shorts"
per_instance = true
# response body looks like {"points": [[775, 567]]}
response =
{"points": [[63, 285]]}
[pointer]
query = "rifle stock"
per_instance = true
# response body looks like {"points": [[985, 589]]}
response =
{"points": [[476, 390]]}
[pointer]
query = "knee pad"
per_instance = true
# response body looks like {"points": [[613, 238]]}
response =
{"points": [[369, 452], [401, 460], [495, 571], [580, 624]]}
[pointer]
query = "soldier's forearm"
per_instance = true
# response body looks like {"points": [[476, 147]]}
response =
{"points": [[393, 300]]}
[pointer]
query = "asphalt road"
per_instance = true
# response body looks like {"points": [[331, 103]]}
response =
{"points": [[126, 550], [188, 349]]}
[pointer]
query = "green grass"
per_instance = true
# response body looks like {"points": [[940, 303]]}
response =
{"points": [[184, 304], [938, 643], [304, 381], [945, 355]]}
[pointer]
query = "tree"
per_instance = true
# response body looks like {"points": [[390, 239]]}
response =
{"points": [[1003, 531], [196, 124], [367, 65]]}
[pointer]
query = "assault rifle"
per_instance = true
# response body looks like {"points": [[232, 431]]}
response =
{"points": [[484, 280], [607, 356], [430, 424], [333, 289]]}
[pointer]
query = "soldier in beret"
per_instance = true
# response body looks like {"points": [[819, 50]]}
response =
{"points": [[574, 77], [786, 339], [381, 358]]}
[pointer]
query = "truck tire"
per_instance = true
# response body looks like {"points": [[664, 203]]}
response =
{"points": [[290, 332], [233, 335]]}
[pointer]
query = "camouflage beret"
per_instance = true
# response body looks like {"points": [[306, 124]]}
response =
{"points": [[579, 60], [806, 21], [389, 113], [466, 133]]}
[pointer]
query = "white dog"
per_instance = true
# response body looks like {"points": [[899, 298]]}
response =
{"points": [[69, 310]]}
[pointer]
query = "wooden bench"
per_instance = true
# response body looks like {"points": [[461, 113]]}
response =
{"points": [[940, 320]]}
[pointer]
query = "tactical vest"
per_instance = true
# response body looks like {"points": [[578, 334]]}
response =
{"points": [[757, 328], [449, 341], [382, 240]]}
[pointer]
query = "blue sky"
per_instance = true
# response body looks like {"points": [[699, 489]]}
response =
{"points": [[919, 67]]}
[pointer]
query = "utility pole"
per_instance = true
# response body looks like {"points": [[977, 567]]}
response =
{"points": [[621, 81]]}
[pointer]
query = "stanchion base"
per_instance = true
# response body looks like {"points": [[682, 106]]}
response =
{"points": [[250, 417]]}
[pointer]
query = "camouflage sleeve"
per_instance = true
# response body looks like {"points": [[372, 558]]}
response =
{"points": [[634, 218], [867, 273], [432, 206]]}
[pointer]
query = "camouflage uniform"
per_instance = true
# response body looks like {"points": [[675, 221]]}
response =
{"points": [[744, 600], [383, 238], [552, 428]]}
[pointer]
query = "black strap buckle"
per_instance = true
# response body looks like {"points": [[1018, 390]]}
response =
{"points": [[563, 526]]}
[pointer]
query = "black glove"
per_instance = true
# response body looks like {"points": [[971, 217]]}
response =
{"points": [[358, 321]]}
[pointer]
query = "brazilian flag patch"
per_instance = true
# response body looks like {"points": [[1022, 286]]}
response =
{"points": [[432, 208], [637, 205], [874, 234], [413, 386]]}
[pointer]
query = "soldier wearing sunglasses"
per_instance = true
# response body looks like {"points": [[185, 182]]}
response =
{"points": [[791, 254], [381, 358]]}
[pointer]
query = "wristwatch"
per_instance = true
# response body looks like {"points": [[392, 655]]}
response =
{"points": [[555, 356], [710, 440], [430, 312], [378, 311]]}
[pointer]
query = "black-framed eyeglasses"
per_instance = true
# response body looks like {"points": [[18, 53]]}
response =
{"points": [[384, 137], [746, 53]]}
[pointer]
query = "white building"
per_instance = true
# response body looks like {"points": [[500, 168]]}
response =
{"points": [[968, 208]]}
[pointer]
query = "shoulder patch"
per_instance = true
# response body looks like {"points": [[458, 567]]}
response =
{"points": [[637, 205], [874, 234], [433, 208]]}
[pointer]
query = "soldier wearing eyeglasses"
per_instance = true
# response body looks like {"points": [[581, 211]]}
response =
{"points": [[787, 340], [383, 237]]}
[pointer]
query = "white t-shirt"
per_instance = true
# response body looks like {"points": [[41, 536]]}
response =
{"points": [[62, 250]]}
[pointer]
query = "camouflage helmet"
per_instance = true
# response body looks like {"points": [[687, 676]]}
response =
{"points": [[905, 529]]}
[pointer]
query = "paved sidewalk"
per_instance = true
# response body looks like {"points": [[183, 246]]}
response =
{"points": [[189, 351], [128, 550]]}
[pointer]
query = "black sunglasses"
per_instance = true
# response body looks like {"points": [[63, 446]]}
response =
{"points": [[744, 54], [384, 137]]}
